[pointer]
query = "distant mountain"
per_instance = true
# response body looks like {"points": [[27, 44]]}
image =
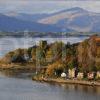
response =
{"points": [[10, 24], [69, 20], [27, 17], [76, 19]]}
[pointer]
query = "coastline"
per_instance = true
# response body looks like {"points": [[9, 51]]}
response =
{"points": [[16, 66], [49, 80], [63, 81], [20, 67]]}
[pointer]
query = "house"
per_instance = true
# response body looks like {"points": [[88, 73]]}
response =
{"points": [[26, 57], [80, 76], [71, 73], [91, 75], [63, 75], [98, 75]]}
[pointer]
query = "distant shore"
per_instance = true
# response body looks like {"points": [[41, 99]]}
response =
{"points": [[68, 81], [17, 67]]}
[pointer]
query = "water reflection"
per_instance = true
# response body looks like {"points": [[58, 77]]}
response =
{"points": [[22, 88], [17, 74], [85, 89], [68, 87]]}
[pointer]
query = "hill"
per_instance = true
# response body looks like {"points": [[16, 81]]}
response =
{"points": [[76, 19], [11, 24]]}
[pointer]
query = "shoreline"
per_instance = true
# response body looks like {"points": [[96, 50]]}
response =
{"points": [[63, 81], [27, 67]]}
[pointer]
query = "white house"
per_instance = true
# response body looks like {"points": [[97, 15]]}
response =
{"points": [[71, 73], [63, 75], [80, 76]]}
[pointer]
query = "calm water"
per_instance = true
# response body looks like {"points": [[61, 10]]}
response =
{"points": [[25, 89], [10, 43]]}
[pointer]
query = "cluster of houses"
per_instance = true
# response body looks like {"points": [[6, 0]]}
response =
{"points": [[71, 75]]}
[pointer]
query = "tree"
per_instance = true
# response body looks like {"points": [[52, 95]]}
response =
{"points": [[57, 67]]}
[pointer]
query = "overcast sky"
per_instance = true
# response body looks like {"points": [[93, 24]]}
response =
{"points": [[46, 6]]}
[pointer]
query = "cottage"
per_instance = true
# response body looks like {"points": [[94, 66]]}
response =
{"points": [[63, 75], [71, 73], [80, 76], [98, 75], [26, 57], [90, 75]]}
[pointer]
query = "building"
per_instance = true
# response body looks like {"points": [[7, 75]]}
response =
{"points": [[71, 73], [80, 76]]}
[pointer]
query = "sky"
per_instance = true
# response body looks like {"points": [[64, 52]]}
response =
{"points": [[46, 6]]}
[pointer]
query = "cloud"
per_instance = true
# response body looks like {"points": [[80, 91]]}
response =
{"points": [[47, 6]]}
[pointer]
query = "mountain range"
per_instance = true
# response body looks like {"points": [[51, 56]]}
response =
{"points": [[69, 20]]}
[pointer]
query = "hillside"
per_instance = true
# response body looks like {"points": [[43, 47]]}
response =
{"points": [[11, 24], [27, 17], [76, 19], [69, 20]]}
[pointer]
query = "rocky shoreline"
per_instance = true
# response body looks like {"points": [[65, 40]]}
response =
{"points": [[68, 81]]}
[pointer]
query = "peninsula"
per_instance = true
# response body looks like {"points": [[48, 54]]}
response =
{"points": [[79, 61]]}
